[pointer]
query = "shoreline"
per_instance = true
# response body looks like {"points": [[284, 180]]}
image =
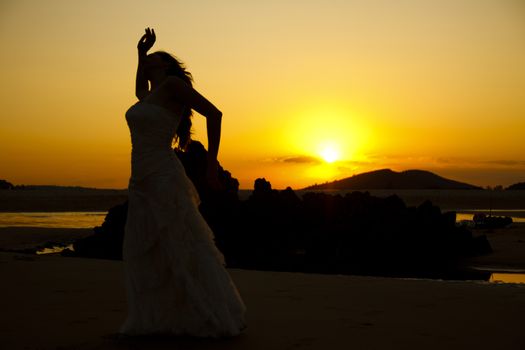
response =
{"points": [[508, 246], [20, 238]]}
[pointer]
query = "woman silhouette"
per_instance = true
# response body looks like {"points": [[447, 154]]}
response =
{"points": [[176, 282]]}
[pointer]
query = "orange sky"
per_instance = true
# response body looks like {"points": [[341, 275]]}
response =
{"points": [[434, 85]]}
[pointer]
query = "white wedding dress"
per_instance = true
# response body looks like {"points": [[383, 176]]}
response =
{"points": [[176, 282]]}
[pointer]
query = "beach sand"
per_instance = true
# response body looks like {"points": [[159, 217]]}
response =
{"points": [[53, 302], [20, 238]]}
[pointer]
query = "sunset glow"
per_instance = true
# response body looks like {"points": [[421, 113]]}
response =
{"points": [[329, 153], [310, 92]]}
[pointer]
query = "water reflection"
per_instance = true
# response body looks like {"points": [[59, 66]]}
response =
{"points": [[53, 219], [96, 218], [54, 250], [517, 216], [507, 277]]}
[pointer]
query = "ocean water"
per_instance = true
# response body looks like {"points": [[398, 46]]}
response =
{"points": [[506, 277], [517, 215], [80, 219], [85, 219]]}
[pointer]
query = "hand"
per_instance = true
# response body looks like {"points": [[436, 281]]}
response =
{"points": [[146, 41]]}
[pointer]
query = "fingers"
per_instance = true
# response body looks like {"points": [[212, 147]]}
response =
{"points": [[147, 40], [150, 32]]}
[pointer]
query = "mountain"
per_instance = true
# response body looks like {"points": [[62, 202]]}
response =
{"points": [[388, 179]]}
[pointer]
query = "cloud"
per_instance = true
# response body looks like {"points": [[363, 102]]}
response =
{"points": [[505, 162], [315, 160], [482, 163], [297, 159]]}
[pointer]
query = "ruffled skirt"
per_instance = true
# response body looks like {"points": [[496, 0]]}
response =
{"points": [[176, 281]]}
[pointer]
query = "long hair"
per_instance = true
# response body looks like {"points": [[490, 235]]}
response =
{"points": [[177, 68]]}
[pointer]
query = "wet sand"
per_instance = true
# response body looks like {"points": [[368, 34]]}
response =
{"points": [[53, 302], [508, 245]]}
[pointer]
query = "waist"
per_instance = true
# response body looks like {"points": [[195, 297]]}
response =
{"points": [[144, 163], [147, 149]]}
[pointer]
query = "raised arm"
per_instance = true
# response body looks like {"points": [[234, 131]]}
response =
{"points": [[145, 43], [188, 96]]}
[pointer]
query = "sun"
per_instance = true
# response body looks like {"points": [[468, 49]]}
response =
{"points": [[329, 153]]}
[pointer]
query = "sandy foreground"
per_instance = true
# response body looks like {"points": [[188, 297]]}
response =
{"points": [[53, 302], [50, 302]]}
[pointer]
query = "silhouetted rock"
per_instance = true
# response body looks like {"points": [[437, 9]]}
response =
{"points": [[388, 179], [262, 187], [5, 185], [276, 230], [491, 222], [216, 206], [106, 242], [195, 163]]}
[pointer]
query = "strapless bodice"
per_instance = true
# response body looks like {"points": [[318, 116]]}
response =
{"points": [[152, 128]]}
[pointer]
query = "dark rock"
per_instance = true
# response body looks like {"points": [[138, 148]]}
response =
{"points": [[5, 185], [276, 230], [106, 242], [491, 222], [216, 207]]}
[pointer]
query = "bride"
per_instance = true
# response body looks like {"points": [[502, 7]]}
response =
{"points": [[176, 282]]}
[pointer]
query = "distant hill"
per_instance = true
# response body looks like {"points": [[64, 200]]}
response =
{"points": [[518, 186], [388, 179]]}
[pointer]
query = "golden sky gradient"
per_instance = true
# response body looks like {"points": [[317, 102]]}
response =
{"points": [[434, 85]]}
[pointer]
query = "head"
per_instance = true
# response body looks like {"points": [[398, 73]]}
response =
{"points": [[161, 64], [154, 67]]}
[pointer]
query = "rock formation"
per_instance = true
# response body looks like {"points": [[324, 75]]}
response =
{"points": [[276, 230]]}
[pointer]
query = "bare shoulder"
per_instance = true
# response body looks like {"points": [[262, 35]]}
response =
{"points": [[179, 90]]}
